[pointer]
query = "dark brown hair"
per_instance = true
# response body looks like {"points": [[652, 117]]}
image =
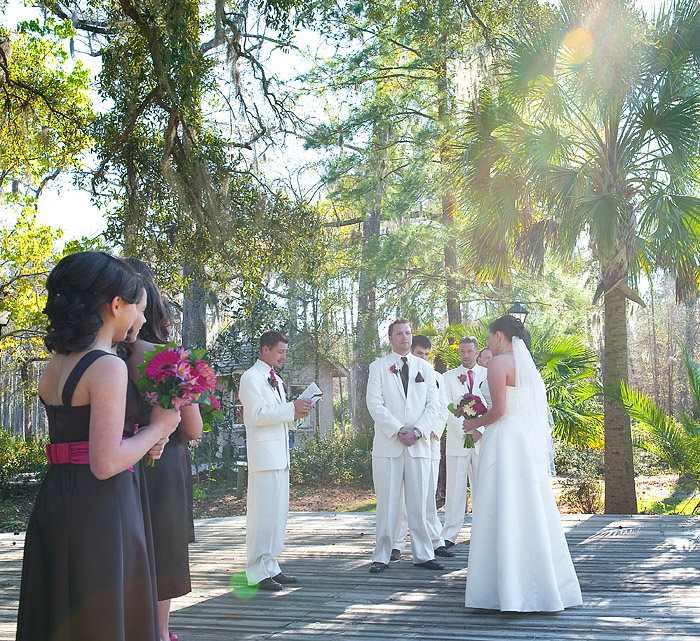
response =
{"points": [[399, 321], [510, 327], [158, 312], [419, 340], [270, 338], [78, 288]]}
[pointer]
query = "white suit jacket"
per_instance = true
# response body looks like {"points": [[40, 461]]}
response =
{"points": [[267, 415], [455, 390], [439, 428], [391, 409]]}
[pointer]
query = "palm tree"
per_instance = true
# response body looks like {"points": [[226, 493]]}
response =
{"points": [[590, 139], [675, 440]]}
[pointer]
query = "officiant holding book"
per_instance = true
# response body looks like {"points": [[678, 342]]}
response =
{"points": [[268, 417]]}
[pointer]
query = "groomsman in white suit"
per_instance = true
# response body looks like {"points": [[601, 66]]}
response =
{"points": [[267, 416], [462, 462], [420, 347], [403, 400]]}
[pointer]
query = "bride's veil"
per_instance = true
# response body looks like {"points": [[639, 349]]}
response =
{"points": [[534, 404]]}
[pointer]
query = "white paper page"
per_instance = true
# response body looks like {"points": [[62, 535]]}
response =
{"points": [[313, 392]]}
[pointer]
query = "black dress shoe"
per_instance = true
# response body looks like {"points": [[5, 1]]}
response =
{"points": [[442, 551], [376, 567], [270, 585], [283, 579], [395, 554], [430, 565], [448, 544]]}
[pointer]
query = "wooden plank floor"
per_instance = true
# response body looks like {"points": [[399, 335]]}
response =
{"points": [[640, 578]]}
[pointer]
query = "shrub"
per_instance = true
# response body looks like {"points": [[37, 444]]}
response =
{"points": [[338, 458], [18, 457], [583, 495], [572, 461]]}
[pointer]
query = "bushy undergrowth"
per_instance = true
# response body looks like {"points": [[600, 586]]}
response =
{"points": [[19, 457], [571, 461], [338, 458]]}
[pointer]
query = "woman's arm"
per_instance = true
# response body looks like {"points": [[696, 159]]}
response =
{"points": [[106, 382], [190, 423], [497, 371]]}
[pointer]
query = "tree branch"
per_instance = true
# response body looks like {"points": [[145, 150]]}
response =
{"points": [[124, 137]]}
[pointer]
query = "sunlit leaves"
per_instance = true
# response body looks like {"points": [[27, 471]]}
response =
{"points": [[46, 112]]}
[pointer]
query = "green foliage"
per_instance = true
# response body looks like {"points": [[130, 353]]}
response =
{"points": [[573, 461], [333, 459], [673, 439], [19, 457], [568, 369], [46, 115], [27, 254], [583, 495]]}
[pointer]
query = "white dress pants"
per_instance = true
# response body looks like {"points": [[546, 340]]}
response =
{"points": [[391, 476], [459, 468], [266, 521], [431, 514]]}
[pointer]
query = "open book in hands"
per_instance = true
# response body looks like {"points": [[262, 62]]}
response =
{"points": [[312, 392]]}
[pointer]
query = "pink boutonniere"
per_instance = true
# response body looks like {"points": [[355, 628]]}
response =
{"points": [[272, 381], [462, 378], [394, 370]]}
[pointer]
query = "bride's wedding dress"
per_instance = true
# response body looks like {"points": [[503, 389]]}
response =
{"points": [[518, 557]]}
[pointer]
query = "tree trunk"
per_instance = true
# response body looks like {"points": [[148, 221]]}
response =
{"points": [[691, 324], [27, 425], [449, 204], [620, 494], [194, 308], [366, 333], [655, 355]]}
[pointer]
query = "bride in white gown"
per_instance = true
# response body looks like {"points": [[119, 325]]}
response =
{"points": [[518, 557]]}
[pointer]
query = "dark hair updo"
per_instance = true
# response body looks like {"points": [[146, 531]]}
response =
{"points": [[78, 288], [158, 312], [510, 327]]}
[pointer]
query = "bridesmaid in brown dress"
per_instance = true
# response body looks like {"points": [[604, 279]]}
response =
{"points": [[167, 482], [88, 571]]}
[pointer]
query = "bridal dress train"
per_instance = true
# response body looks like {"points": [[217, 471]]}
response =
{"points": [[519, 560]]}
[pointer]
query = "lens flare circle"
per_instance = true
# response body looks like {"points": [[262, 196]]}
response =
{"points": [[240, 588], [577, 46]]}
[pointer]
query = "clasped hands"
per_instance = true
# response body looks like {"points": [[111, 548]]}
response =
{"points": [[466, 428], [407, 436]]}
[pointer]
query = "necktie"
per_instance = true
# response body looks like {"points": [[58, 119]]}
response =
{"points": [[470, 375], [404, 375]]}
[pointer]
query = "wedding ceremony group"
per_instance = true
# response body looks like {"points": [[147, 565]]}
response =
{"points": [[264, 364], [106, 548]]}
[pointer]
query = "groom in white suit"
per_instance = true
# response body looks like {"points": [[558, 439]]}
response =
{"points": [[267, 416], [403, 400], [421, 348], [462, 462]]}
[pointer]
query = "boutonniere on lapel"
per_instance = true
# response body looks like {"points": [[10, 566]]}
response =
{"points": [[272, 381], [394, 370], [462, 378], [419, 378]]}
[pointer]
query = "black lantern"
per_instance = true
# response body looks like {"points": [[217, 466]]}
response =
{"points": [[518, 310]]}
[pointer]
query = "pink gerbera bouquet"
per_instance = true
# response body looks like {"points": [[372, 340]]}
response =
{"points": [[469, 406], [174, 377]]}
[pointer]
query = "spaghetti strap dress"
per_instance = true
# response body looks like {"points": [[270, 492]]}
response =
{"points": [[171, 513], [88, 572]]}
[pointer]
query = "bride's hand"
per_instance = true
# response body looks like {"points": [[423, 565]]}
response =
{"points": [[468, 425]]}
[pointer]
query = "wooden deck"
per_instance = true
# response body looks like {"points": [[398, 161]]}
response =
{"points": [[640, 578]]}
